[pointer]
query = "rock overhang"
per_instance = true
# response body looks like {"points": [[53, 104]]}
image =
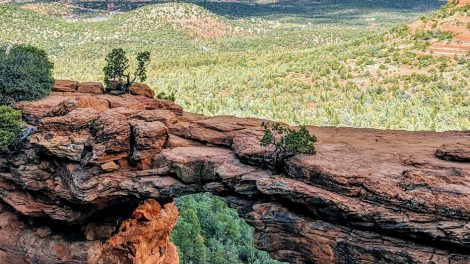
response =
{"points": [[366, 190]]}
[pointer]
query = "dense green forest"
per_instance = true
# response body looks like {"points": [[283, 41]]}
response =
{"points": [[210, 232], [333, 63]]}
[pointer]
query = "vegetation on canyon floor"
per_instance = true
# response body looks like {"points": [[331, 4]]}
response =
{"points": [[210, 232], [333, 63]]}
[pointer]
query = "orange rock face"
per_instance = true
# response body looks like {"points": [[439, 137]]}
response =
{"points": [[145, 236], [90, 87], [141, 89], [95, 180], [65, 86], [456, 24]]}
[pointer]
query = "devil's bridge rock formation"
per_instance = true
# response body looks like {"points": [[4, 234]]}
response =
{"points": [[95, 179]]}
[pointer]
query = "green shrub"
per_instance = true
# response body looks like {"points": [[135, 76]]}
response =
{"points": [[170, 96], [428, 35], [117, 74], [10, 126], [287, 143], [25, 74]]}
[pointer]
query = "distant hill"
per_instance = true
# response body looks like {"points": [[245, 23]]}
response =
{"points": [[327, 11], [446, 32], [340, 65], [355, 63]]}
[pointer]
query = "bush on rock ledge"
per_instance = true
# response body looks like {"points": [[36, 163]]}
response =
{"points": [[10, 126], [25, 74]]}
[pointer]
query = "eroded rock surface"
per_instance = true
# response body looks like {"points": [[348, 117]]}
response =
{"points": [[87, 185]]}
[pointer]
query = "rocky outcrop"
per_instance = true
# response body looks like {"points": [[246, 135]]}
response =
{"points": [[141, 89], [142, 239], [454, 152], [90, 87], [65, 86], [87, 185]]}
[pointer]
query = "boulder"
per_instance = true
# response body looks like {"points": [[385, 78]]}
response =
{"points": [[65, 86], [169, 105], [109, 166], [459, 152], [76, 119], [141, 89], [73, 103], [111, 138], [167, 117], [68, 146], [90, 87], [34, 111], [149, 138]]}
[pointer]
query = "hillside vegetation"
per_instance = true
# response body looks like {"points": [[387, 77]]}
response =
{"points": [[329, 63], [274, 66]]}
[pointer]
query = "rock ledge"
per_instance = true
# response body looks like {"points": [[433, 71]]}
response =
{"points": [[95, 182]]}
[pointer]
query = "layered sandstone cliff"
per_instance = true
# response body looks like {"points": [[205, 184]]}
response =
{"points": [[95, 178]]}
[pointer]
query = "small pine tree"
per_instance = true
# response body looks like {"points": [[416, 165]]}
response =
{"points": [[116, 71], [116, 66], [287, 143]]}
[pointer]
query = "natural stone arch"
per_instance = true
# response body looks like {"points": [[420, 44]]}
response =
{"points": [[368, 195]]}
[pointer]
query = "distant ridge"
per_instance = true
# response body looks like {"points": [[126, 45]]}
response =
{"points": [[460, 2], [446, 31]]}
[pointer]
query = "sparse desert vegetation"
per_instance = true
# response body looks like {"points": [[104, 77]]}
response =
{"points": [[285, 66], [327, 63]]}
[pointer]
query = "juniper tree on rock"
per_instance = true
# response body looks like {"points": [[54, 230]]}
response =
{"points": [[286, 142], [116, 71]]}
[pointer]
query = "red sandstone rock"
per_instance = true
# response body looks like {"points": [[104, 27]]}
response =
{"points": [[69, 146], [74, 120], [454, 152], [368, 196], [65, 86], [175, 141], [73, 103], [109, 166], [149, 138], [141, 89], [90, 87], [167, 117], [112, 135], [145, 237]]}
